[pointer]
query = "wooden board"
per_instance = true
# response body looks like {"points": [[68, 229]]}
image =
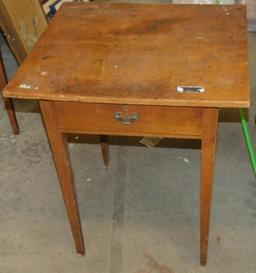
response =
{"points": [[139, 54], [27, 19], [13, 39]]}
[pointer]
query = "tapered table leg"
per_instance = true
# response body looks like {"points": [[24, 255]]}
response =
{"points": [[7, 101], [11, 115], [105, 149], [59, 146], [210, 124]]}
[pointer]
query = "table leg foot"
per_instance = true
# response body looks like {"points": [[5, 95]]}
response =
{"points": [[210, 124], [11, 115], [59, 146], [105, 150]]}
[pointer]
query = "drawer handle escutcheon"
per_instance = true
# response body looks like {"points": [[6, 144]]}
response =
{"points": [[126, 119]]}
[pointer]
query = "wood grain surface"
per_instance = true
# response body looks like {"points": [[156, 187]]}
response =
{"points": [[139, 54]]}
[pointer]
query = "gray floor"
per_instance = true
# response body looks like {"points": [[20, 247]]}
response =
{"points": [[139, 216]]}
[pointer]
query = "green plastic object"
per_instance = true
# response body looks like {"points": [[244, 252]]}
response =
{"points": [[248, 139], [246, 132]]}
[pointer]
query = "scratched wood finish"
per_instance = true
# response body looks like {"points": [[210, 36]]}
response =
{"points": [[153, 120], [208, 143], [59, 147], [139, 54], [7, 101]]}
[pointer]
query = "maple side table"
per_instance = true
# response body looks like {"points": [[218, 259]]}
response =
{"points": [[118, 69]]}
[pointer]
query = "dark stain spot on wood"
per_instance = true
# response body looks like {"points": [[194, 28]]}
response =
{"points": [[147, 27], [218, 240], [46, 57]]}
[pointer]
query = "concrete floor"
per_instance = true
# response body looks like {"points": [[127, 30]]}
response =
{"points": [[144, 207]]}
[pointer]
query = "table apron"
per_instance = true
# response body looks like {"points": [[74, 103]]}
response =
{"points": [[133, 120]]}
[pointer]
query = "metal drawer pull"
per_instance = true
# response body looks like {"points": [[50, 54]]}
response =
{"points": [[126, 119]]}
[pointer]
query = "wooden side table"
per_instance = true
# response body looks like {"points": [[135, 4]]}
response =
{"points": [[118, 69]]}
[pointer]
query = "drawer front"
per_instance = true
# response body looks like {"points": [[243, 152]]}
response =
{"points": [[116, 119]]}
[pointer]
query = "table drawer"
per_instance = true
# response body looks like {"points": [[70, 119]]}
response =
{"points": [[119, 119]]}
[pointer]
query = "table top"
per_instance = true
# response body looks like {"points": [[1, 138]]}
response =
{"points": [[139, 54]]}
